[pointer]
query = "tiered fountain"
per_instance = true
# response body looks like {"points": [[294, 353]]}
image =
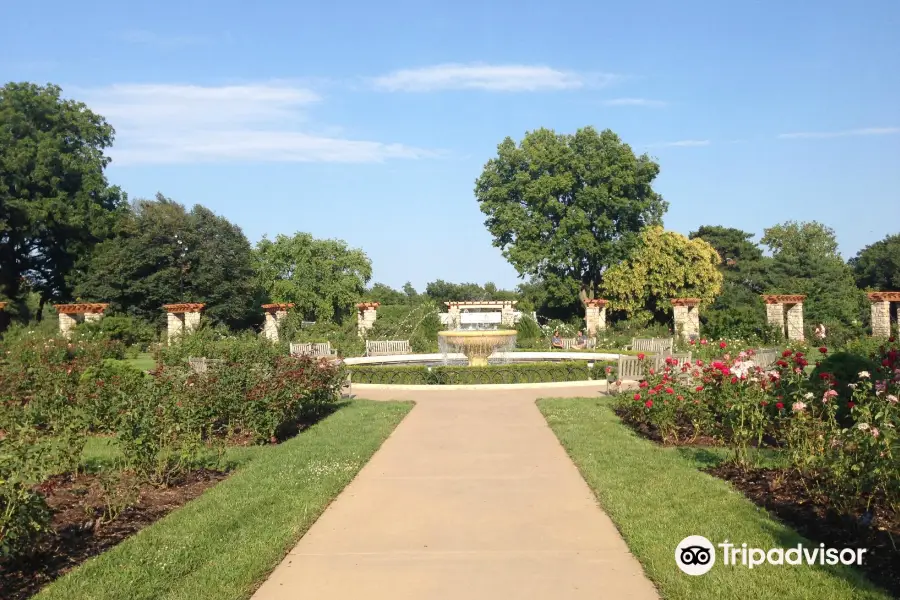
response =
{"points": [[477, 345]]}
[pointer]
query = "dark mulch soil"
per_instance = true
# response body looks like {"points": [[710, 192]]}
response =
{"points": [[685, 434], [785, 495], [77, 532]]}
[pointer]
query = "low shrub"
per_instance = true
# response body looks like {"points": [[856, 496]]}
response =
{"points": [[451, 375], [103, 390], [130, 331]]}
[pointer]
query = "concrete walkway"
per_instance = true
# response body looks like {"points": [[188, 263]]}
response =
{"points": [[472, 497]]}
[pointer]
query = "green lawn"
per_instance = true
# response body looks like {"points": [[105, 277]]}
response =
{"points": [[223, 544], [144, 361], [657, 496]]}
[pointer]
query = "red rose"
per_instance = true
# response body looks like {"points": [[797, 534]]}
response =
{"points": [[734, 380], [699, 388], [779, 405], [670, 390], [851, 404], [823, 350], [680, 397], [641, 356], [649, 403], [637, 397], [722, 345], [642, 384], [786, 353]]}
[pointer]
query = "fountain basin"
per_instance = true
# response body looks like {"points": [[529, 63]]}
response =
{"points": [[478, 345]]}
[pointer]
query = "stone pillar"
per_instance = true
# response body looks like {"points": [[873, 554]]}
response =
{"points": [[687, 317], [594, 316], [881, 312], [775, 316], [275, 314], [795, 322], [71, 315], [183, 318], [508, 315], [453, 311], [366, 314], [792, 327]]}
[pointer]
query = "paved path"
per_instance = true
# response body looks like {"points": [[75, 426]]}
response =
{"points": [[470, 498]]}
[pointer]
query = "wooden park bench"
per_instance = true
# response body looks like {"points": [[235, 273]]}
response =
{"points": [[652, 345], [632, 368], [312, 349], [572, 344], [387, 347], [765, 358]]}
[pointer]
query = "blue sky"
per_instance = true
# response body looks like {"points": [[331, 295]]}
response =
{"points": [[370, 121]]}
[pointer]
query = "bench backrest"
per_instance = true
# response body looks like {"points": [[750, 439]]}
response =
{"points": [[387, 347], [653, 345], [570, 343], [311, 348], [659, 360], [630, 368], [202, 364], [765, 358]]}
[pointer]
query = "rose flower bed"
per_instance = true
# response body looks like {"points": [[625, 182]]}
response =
{"points": [[836, 435], [168, 432]]}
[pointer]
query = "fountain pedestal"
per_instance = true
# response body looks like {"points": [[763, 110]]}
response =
{"points": [[478, 345]]}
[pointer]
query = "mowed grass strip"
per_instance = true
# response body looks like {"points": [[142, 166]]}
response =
{"points": [[657, 497], [224, 544]]}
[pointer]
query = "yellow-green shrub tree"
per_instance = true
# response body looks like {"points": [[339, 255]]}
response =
{"points": [[663, 266]]}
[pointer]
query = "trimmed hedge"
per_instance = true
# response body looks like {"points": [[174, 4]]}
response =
{"points": [[447, 375]]}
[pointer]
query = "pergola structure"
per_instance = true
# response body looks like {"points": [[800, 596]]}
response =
{"points": [[71, 315], [183, 318], [481, 314], [881, 312], [275, 314], [594, 316], [687, 317], [785, 313], [366, 314]]}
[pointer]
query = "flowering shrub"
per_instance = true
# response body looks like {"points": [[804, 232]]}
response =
{"points": [[844, 446]]}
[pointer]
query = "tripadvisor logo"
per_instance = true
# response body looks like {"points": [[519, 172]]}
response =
{"points": [[696, 555]]}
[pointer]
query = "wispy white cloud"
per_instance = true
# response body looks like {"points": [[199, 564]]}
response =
{"points": [[158, 40], [266, 122], [645, 102], [681, 143], [836, 134], [493, 78]]}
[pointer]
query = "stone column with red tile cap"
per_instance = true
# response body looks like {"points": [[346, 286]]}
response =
{"points": [[881, 312], [183, 318], [366, 314], [275, 314], [71, 315], [789, 322], [594, 316], [687, 317]]}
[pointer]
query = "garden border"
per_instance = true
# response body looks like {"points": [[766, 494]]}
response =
{"points": [[601, 383], [523, 356]]}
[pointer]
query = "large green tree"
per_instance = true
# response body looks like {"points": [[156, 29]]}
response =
{"points": [[877, 266], [739, 310], [55, 202], [162, 254], [663, 266], [323, 278], [565, 207], [805, 260]]}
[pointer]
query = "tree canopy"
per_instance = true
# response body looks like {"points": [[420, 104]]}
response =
{"points": [[663, 266], [55, 202], [162, 254], [324, 278], [805, 260], [739, 309], [877, 266], [564, 208]]}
